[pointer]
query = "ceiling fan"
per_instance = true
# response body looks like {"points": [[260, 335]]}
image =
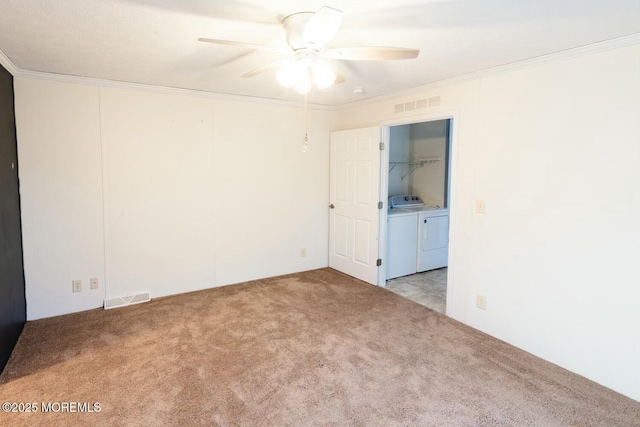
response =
{"points": [[307, 35]]}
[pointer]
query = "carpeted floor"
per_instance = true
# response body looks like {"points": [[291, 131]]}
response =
{"points": [[315, 348]]}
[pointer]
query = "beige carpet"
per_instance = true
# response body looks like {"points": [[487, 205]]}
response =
{"points": [[315, 348]]}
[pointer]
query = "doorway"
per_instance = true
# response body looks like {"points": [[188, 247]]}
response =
{"points": [[358, 203], [416, 247]]}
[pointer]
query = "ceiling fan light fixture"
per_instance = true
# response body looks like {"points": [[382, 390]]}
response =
{"points": [[303, 83], [323, 75], [295, 74], [299, 72], [287, 74]]}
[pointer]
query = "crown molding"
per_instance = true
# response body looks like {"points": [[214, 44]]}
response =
{"points": [[616, 43], [8, 64], [164, 89], [619, 42]]}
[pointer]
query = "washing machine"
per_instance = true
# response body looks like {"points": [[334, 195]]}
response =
{"points": [[402, 245], [417, 236]]}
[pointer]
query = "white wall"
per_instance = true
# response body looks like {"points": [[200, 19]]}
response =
{"points": [[429, 140], [58, 131], [399, 151], [554, 150], [159, 167], [196, 192], [271, 198]]}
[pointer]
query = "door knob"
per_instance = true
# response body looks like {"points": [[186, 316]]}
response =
{"points": [[331, 206]]}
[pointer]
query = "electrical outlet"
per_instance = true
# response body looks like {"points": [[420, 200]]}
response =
{"points": [[303, 252], [76, 285], [93, 283], [481, 206], [481, 302]]}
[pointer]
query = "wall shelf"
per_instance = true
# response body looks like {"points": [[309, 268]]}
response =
{"points": [[412, 166]]}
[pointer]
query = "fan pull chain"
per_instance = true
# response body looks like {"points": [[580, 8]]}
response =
{"points": [[305, 144]]}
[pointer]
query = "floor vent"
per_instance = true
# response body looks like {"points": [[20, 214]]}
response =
{"points": [[127, 300]]}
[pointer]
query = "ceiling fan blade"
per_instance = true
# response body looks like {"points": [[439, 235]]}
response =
{"points": [[244, 45], [373, 53], [322, 26], [261, 70]]}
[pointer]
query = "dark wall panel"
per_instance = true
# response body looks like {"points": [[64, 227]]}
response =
{"points": [[12, 297]]}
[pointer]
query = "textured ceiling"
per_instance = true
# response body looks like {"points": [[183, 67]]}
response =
{"points": [[155, 41]]}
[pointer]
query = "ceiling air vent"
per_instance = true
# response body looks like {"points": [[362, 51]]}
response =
{"points": [[434, 101], [419, 104]]}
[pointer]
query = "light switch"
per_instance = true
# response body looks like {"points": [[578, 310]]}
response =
{"points": [[481, 206]]}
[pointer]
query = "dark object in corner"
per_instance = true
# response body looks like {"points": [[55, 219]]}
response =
{"points": [[13, 310]]}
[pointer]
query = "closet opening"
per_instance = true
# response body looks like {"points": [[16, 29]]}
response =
{"points": [[416, 177]]}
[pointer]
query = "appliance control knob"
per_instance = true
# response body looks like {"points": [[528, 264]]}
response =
{"points": [[407, 198]]}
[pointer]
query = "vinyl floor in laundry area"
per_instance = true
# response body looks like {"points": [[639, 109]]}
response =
{"points": [[428, 288]]}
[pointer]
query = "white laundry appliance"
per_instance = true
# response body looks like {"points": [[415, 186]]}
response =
{"points": [[433, 239], [417, 236]]}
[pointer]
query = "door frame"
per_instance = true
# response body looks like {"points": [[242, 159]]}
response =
{"points": [[453, 116]]}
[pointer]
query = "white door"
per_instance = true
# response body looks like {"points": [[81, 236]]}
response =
{"points": [[353, 196]]}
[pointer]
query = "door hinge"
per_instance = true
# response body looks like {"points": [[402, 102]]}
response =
{"points": [[379, 262], [379, 205], [382, 146]]}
